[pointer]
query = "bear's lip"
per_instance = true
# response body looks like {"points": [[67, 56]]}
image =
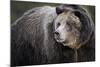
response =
{"points": [[60, 40], [57, 37]]}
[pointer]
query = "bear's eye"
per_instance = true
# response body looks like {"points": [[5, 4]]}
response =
{"points": [[68, 23], [58, 24], [69, 27]]}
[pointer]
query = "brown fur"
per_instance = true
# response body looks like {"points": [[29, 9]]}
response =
{"points": [[33, 43]]}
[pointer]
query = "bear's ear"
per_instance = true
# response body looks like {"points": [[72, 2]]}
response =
{"points": [[77, 13], [59, 10]]}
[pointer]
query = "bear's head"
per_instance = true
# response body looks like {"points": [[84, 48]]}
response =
{"points": [[72, 27]]}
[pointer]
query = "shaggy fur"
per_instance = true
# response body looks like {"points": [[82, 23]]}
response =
{"points": [[85, 51], [33, 43]]}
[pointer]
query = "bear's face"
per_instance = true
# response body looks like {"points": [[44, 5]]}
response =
{"points": [[67, 29]]}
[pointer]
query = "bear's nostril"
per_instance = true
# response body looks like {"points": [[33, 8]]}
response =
{"points": [[56, 33]]}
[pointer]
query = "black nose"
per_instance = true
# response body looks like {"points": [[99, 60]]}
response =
{"points": [[56, 33], [59, 10]]}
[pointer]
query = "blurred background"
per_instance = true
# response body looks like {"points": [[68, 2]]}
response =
{"points": [[19, 7]]}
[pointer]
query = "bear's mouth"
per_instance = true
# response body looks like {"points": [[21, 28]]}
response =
{"points": [[64, 42], [58, 39]]}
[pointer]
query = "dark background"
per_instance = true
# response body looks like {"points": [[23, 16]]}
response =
{"points": [[19, 7]]}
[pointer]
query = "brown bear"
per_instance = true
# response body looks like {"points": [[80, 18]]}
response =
{"points": [[74, 28], [48, 35]]}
